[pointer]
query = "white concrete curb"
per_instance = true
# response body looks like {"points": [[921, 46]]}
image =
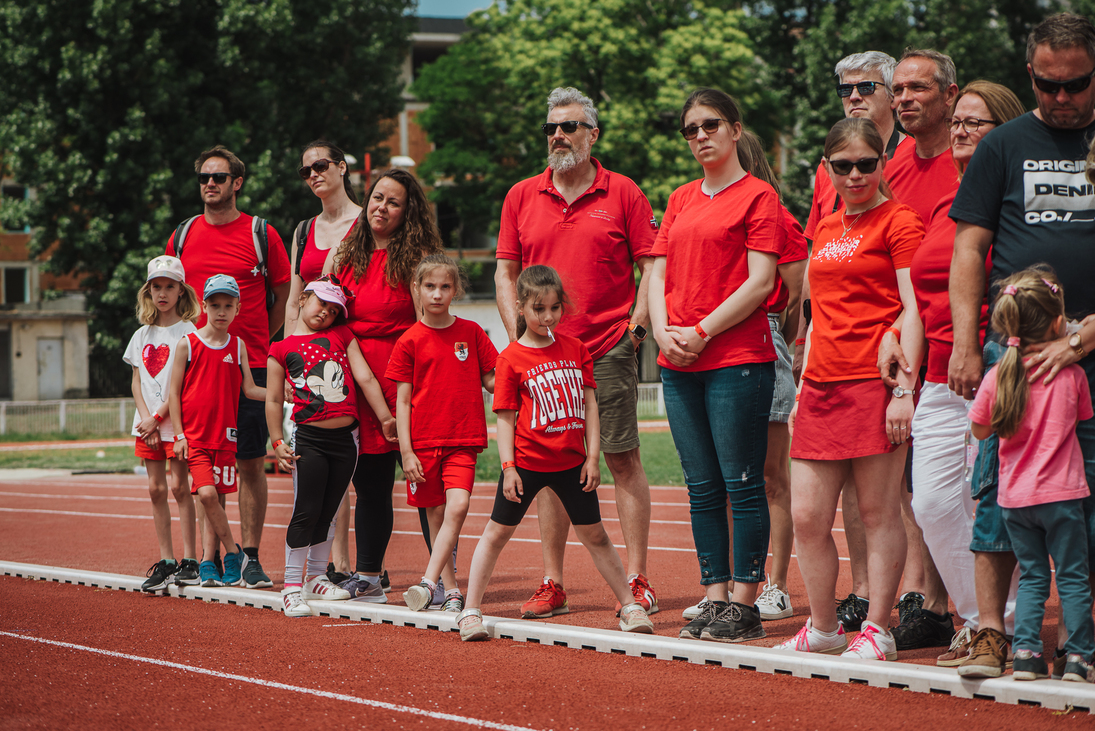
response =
{"points": [[1054, 694]]}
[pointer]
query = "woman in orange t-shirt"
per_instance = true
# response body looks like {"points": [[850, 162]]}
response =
{"points": [[847, 422]]}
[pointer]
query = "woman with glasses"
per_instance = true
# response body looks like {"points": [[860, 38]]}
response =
{"points": [[943, 503], [847, 422], [376, 261], [714, 267]]}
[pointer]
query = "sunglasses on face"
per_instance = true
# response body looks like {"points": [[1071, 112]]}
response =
{"points": [[1072, 86], [865, 88], [844, 167], [218, 178], [569, 127], [970, 124], [320, 166], [709, 126]]}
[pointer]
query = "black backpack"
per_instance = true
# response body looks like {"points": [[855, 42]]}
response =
{"points": [[262, 249], [300, 237]]}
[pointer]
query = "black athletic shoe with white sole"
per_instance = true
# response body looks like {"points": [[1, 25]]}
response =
{"points": [[159, 576]]}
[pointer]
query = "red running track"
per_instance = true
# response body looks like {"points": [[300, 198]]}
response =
{"points": [[103, 523]]}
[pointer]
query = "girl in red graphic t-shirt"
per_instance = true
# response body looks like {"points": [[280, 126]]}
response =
{"points": [[315, 362], [543, 395]]}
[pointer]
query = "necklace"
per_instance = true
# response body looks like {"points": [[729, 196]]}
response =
{"points": [[712, 194], [848, 226]]}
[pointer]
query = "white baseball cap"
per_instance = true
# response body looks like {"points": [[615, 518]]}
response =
{"points": [[166, 266]]}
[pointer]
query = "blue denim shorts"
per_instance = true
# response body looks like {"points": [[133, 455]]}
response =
{"points": [[783, 398]]}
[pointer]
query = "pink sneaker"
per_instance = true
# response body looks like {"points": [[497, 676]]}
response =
{"points": [[872, 643]]}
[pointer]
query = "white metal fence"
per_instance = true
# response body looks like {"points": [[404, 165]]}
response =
{"points": [[93, 417]]}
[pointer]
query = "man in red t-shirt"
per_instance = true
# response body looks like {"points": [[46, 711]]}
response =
{"points": [[593, 226], [221, 242]]}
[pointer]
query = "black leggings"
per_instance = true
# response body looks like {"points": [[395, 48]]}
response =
{"points": [[582, 507], [373, 518], [321, 475]]}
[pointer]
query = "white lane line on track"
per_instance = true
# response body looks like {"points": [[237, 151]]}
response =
{"points": [[476, 722]]}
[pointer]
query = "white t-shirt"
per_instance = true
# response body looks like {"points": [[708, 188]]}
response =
{"points": [[152, 350]]}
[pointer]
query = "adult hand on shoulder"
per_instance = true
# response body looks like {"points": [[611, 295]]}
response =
{"points": [[672, 350], [891, 358], [964, 373], [1048, 359]]}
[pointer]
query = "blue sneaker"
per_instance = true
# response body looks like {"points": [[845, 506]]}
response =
{"points": [[207, 574], [233, 567], [363, 591]]}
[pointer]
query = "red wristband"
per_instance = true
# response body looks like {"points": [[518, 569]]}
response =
{"points": [[800, 341], [796, 397], [278, 442], [156, 416], [507, 465], [895, 331], [701, 333]]}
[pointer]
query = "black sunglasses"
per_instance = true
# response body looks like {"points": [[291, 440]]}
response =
{"points": [[218, 178], [844, 167], [569, 127], [865, 88], [710, 126], [320, 166], [1072, 86]]}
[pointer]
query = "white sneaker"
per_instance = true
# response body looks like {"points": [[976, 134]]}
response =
{"points": [[695, 610], [418, 597], [633, 618], [293, 604], [320, 587], [773, 602], [872, 643], [809, 639]]}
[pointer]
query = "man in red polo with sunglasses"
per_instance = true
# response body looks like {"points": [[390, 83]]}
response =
{"points": [[221, 241], [1025, 195], [593, 226]]}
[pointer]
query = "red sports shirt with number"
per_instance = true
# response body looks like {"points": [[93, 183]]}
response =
{"points": [[211, 393], [545, 386]]}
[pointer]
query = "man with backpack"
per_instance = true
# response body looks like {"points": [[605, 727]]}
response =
{"points": [[225, 241]]}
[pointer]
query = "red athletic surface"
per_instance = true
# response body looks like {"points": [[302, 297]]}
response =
{"points": [[497, 681]]}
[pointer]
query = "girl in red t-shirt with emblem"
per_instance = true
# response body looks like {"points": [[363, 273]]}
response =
{"points": [[548, 436], [440, 366], [315, 362]]}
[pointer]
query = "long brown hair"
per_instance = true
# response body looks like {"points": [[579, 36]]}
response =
{"points": [[533, 283], [416, 238], [335, 154], [754, 161], [1026, 308]]}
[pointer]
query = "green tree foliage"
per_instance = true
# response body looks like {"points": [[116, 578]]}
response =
{"points": [[104, 105], [637, 60]]}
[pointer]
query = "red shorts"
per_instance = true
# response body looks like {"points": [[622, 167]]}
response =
{"points": [[166, 450], [445, 468], [215, 467], [841, 420]]}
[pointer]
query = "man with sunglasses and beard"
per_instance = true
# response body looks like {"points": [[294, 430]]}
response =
{"points": [[1025, 195], [593, 226], [221, 242]]}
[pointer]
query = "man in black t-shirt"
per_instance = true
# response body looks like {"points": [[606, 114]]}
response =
{"points": [[1025, 194]]}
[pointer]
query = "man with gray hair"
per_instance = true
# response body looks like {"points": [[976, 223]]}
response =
{"points": [[593, 226]]}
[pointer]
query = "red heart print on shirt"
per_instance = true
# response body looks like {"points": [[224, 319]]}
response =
{"points": [[155, 358]]}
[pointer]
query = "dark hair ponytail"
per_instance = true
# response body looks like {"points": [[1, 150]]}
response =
{"points": [[534, 282], [335, 154]]}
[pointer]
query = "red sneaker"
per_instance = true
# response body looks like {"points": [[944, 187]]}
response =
{"points": [[644, 595], [549, 600]]}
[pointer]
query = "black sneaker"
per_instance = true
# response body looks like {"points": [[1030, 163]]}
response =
{"points": [[708, 611], [852, 612], [908, 605], [159, 575], [736, 623], [1029, 665], [384, 583], [253, 575], [1077, 670], [924, 629], [336, 577], [188, 573]]}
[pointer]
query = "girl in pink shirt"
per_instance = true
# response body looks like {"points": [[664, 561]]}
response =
{"points": [[1042, 484]]}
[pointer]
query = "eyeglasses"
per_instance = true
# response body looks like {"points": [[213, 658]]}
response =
{"points": [[710, 126], [569, 127], [844, 167], [1072, 86], [970, 124], [320, 166], [865, 88], [218, 178]]}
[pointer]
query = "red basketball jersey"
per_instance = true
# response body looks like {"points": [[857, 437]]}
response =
{"points": [[211, 393]]}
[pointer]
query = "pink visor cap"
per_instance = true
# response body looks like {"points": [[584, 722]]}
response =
{"points": [[329, 292]]}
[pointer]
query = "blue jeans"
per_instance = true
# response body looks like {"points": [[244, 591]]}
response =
{"points": [[719, 421], [1037, 533]]}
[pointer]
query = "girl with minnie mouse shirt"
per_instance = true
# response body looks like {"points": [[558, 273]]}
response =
{"points": [[316, 360]]}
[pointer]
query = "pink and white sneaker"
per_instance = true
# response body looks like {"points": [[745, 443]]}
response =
{"points": [[320, 587], [872, 643], [809, 639]]}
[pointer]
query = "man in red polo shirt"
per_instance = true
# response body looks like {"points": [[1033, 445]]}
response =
{"points": [[593, 226]]}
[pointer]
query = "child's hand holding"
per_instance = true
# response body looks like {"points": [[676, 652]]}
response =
{"points": [[511, 485], [147, 426], [412, 468], [152, 439], [389, 429], [285, 457], [180, 448], [591, 474]]}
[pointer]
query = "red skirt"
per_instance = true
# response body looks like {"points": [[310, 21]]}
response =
{"points": [[841, 420]]}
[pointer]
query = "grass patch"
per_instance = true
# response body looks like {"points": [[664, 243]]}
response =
{"points": [[116, 459]]}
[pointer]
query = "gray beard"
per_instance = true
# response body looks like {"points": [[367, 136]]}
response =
{"points": [[563, 161]]}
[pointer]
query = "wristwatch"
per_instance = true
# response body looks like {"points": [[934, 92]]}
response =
{"points": [[1077, 344], [638, 331], [898, 392]]}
